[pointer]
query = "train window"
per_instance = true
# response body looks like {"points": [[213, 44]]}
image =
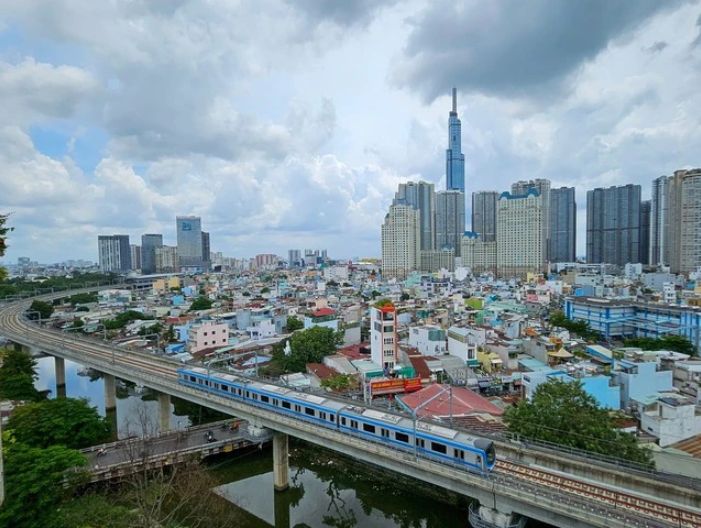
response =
{"points": [[206, 383], [322, 415], [286, 405], [225, 388], [354, 424], [309, 411], [343, 421], [276, 402], [459, 453], [248, 394], [193, 379], [438, 448], [333, 417], [420, 442], [401, 437], [384, 432], [298, 408], [264, 399], [238, 391], [369, 428]]}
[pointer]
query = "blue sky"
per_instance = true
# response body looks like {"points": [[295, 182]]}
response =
{"points": [[289, 124]]}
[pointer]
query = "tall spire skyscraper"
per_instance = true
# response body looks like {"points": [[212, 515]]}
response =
{"points": [[454, 158]]}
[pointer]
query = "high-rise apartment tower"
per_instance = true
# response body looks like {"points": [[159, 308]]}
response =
{"points": [[563, 225], [613, 225], [454, 158]]}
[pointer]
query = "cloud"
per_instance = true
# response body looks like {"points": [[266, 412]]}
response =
{"points": [[344, 14], [34, 91], [512, 49], [657, 47]]}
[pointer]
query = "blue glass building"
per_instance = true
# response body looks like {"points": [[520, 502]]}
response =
{"points": [[454, 158]]}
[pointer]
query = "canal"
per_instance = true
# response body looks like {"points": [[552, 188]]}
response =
{"points": [[326, 490]]}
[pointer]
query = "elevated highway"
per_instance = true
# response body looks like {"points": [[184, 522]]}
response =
{"points": [[553, 496]]}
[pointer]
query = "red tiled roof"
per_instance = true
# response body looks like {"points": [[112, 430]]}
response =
{"points": [[465, 402], [322, 312], [420, 367], [321, 371], [353, 351]]}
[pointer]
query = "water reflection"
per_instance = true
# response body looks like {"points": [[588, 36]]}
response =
{"points": [[130, 400], [326, 493]]}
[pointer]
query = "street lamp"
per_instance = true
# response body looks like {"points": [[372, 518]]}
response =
{"points": [[415, 412]]}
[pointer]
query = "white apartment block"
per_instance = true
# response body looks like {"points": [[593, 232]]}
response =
{"points": [[462, 343], [520, 247], [479, 256], [401, 242], [428, 340], [167, 259], [383, 334]]}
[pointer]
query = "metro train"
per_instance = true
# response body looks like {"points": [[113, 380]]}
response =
{"points": [[429, 440]]}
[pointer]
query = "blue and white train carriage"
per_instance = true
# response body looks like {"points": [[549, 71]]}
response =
{"points": [[429, 440]]}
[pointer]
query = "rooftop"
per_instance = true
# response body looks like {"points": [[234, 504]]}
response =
{"points": [[464, 402]]}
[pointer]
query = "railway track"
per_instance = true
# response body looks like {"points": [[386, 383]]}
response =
{"points": [[635, 504]]}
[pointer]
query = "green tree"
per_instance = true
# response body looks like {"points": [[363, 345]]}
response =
{"points": [[3, 244], [405, 296], [34, 484], [293, 324], [82, 298], [169, 335], [310, 346], [40, 309], [676, 343], [17, 376], [341, 382], [564, 413], [95, 510], [201, 303], [265, 290], [153, 329], [126, 317], [68, 422]]}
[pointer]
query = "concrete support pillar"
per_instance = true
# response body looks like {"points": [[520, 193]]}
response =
{"points": [[110, 392], [60, 365], [281, 464], [163, 412], [111, 404]]}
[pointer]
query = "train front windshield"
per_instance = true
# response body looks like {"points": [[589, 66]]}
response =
{"points": [[491, 455]]}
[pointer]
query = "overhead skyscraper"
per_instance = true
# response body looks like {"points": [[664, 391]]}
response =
{"points": [[114, 253], [422, 197], [454, 158], [520, 188], [484, 215], [401, 241], [645, 212], [150, 242], [520, 249], [613, 225], [189, 233], [450, 220], [563, 225]]}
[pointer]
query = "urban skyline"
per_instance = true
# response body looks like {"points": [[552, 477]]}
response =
{"points": [[293, 154]]}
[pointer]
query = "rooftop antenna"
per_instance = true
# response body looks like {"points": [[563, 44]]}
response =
{"points": [[455, 100]]}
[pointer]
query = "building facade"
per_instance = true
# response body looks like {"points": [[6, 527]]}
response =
{"points": [[294, 258], [454, 158], [659, 221], [206, 250], [520, 248], [613, 225], [450, 220], [149, 243], [563, 225], [684, 233], [114, 253], [167, 259], [645, 212], [401, 242], [484, 214], [520, 188], [189, 236], [478, 255], [421, 196], [135, 251], [383, 335], [432, 261]]}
